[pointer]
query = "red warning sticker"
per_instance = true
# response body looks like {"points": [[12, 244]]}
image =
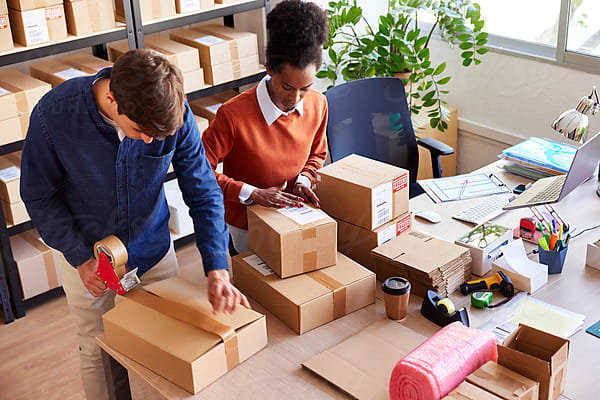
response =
{"points": [[54, 13], [3, 22], [403, 225], [400, 182]]}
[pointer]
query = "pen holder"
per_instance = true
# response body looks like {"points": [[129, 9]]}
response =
{"points": [[553, 259]]}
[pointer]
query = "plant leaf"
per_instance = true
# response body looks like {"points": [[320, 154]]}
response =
{"points": [[466, 54], [440, 68], [443, 81], [463, 37], [322, 74], [465, 45], [467, 62], [482, 51]]}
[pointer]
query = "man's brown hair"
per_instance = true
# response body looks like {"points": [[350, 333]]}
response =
{"points": [[148, 89]]}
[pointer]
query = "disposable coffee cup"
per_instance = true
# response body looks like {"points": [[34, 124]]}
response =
{"points": [[395, 296]]}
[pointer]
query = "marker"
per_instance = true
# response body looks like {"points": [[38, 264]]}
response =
{"points": [[553, 226], [540, 227], [543, 243], [552, 244], [560, 231]]}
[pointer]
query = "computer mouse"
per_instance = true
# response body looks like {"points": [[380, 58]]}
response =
{"points": [[430, 216]]}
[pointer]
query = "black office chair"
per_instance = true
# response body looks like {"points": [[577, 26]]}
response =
{"points": [[370, 117]]}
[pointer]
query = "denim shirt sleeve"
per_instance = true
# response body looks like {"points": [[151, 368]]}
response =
{"points": [[42, 176], [202, 195]]}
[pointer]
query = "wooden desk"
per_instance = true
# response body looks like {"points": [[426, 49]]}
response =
{"points": [[275, 372]]}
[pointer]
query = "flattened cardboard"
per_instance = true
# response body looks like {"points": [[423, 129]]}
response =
{"points": [[362, 364], [27, 90], [10, 131], [289, 248], [504, 383], [468, 391], [6, 39], [213, 51], [89, 16], [10, 183], [185, 354], [362, 191], [537, 355], [304, 302]]}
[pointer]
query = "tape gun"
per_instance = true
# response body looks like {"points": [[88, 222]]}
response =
{"points": [[497, 281], [441, 311], [112, 258]]}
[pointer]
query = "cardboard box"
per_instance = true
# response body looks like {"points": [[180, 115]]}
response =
{"points": [[89, 16], [362, 191], [15, 213], [56, 71], [592, 255], [241, 44], [485, 252], [193, 80], [245, 66], [357, 242], [504, 383], [10, 177], [10, 131], [150, 10], [173, 332], [468, 391], [207, 107], [212, 50], [306, 301], [27, 91], [38, 26], [217, 74], [3, 7], [6, 40], [25, 5], [24, 123], [39, 266], [186, 6], [537, 355], [289, 246], [86, 62]]}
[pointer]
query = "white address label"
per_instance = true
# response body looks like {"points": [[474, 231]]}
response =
{"points": [[36, 28], [386, 235], [9, 174], [70, 73], [3, 91], [381, 204], [208, 40], [258, 264], [189, 5]]}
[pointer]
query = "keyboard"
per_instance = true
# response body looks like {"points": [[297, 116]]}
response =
{"points": [[550, 192], [484, 211]]}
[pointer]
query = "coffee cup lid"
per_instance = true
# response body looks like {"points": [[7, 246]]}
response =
{"points": [[396, 286]]}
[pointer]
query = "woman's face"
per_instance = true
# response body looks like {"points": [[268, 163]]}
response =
{"points": [[289, 85]]}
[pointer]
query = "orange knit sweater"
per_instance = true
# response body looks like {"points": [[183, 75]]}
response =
{"points": [[261, 155]]}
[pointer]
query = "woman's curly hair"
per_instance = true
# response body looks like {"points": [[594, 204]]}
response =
{"points": [[296, 32]]}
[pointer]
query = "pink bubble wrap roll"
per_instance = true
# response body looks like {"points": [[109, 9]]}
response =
{"points": [[442, 362]]}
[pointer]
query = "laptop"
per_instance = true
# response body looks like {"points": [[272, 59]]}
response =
{"points": [[555, 188]]}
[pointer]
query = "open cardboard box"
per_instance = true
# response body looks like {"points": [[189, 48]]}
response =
{"points": [[504, 383], [171, 330]]}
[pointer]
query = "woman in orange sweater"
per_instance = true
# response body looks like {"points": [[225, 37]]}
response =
{"points": [[271, 138]]}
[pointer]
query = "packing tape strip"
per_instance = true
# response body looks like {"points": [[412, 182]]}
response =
{"points": [[114, 249], [338, 289], [192, 317]]}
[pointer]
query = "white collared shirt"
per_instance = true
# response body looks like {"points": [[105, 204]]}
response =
{"points": [[109, 121]]}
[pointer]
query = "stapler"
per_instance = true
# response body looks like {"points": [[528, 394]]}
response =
{"points": [[441, 310]]}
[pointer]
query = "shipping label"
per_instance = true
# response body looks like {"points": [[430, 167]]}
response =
{"points": [[402, 225], [70, 73], [36, 28], [381, 204], [9, 174], [386, 235], [189, 5], [3, 91], [258, 264], [400, 182], [302, 215], [208, 40]]}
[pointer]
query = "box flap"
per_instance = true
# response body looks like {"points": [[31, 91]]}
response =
{"points": [[362, 171], [283, 224], [540, 344]]}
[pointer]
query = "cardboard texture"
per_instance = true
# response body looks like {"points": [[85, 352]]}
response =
{"points": [[362, 191], [217, 74], [24, 122], [242, 44], [38, 26], [468, 391], [357, 242], [56, 71], [89, 16], [245, 66], [427, 262], [3, 7], [25, 5], [150, 9], [172, 331], [537, 355], [25, 90], [193, 80], [185, 57], [306, 301], [213, 51], [362, 364], [86, 61], [504, 383], [39, 266], [6, 39], [10, 131], [288, 247], [10, 177], [15, 213], [186, 6], [206, 107], [592, 255]]}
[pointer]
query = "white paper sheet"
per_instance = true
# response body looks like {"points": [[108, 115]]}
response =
{"points": [[515, 260], [208, 40], [302, 215], [10, 173], [70, 73]]}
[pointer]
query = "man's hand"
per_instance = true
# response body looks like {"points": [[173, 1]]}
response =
{"points": [[275, 197], [307, 194], [222, 295], [88, 273]]}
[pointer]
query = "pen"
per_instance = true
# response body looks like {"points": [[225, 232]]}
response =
{"points": [[560, 231], [462, 190], [553, 226]]}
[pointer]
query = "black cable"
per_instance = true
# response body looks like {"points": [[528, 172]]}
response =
{"points": [[585, 230]]}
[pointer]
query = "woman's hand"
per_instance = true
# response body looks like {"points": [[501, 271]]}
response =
{"points": [[307, 194], [275, 197]]}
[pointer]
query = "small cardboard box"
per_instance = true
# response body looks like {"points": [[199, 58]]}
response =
{"points": [[504, 383], [290, 245], [592, 255], [242, 44], [186, 6], [468, 391], [362, 191], [485, 242], [89, 16], [86, 62], [10, 177], [213, 50], [6, 40], [150, 10], [173, 332], [306, 301], [38, 26], [537, 355], [193, 80], [357, 242], [25, 5], [10, 131], [245, 66], [27, 91], [39, 266], [207, 107], [217, 74], [15, 213], [56, 71]]}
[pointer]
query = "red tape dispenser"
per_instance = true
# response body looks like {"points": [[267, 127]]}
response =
{"points": [[112, 258]]}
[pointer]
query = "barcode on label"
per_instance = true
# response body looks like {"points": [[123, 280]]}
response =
{"points": [[381, 203], [258, 264], [383, 214]]}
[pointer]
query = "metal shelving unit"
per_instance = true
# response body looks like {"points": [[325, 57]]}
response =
{"points": [[133, 30]]}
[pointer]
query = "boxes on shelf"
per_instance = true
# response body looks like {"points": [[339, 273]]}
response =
{"points": [[25, 5], [10, 177], [15, 213], [176, 335], [304, 302], [10, 130], [504, 383], [485, 242], [538, 355], [362, 191], [292, 240], [207, 107], [89, 16], [38, 26], [6, 40], [150, 10], [202, 123], [86, 61], [357, 242], [56, 71], [186, 6]]}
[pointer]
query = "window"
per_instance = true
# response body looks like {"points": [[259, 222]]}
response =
{"points": [[583, 34]]}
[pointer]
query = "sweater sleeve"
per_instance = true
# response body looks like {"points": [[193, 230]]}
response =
{"points": [[318, 150]]}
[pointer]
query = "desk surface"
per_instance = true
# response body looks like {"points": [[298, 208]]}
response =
{"points": [[276, 371]]}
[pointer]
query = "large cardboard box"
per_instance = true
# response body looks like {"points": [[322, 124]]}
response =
{"points": [[10, 177], [89, 16], [362, 191], [15, 213], [292, 240], [26, 92], [25, 5], [212, 50], [357, 242], [193, 80], [56, 71], [172, 331], [86, 62], [504, 383], [186, 6], [245, 66], [38, 26], [6, 40], [468, 391], [218, 74], [537, 355], [150, 10], [207, 107], [39, 266], [241, 44], [306, 301], [10, 131]]}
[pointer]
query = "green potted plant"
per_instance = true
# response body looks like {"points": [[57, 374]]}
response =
{"points": [[399, 46]]}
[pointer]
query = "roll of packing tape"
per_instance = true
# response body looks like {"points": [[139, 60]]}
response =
{"points": [[113, 248], [446, 305]]}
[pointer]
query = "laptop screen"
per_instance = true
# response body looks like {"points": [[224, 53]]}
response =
{"points": [[583, 165]]}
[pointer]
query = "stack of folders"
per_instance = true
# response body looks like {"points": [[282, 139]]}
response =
{"points": [[537, 158]]}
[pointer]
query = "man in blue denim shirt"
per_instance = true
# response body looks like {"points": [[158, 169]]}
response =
{"points": [[93, 165]]}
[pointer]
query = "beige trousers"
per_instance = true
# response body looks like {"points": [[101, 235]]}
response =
{"points": [[86, 311]]}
